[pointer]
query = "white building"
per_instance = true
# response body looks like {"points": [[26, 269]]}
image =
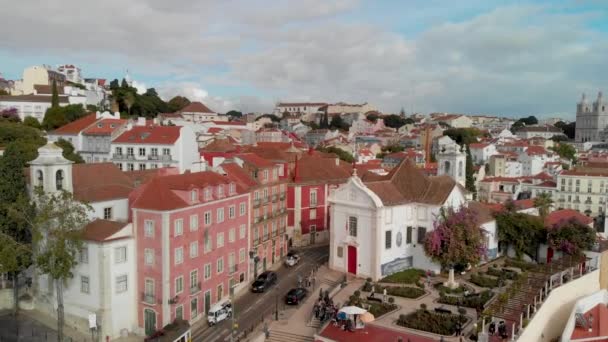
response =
{"points": [[533, 160], [378, 226], [307, 109], [591, 119], [452, 162], [74, 131], [72, 73], [142, 147], [481, 152], [198, 112], [37, 75], [30, 105], [546, 132], [104, 279], [454, 120]]}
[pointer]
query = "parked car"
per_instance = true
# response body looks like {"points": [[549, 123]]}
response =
{"points": [[219, 312], [295, 296], [264, 281], [292, 259]]}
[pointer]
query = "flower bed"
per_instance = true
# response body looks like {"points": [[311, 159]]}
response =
{"points": [[446, 290], [442, 324], [379, 309], [522, 265], [475, 301], [484, 281], [506, 273], [409, 276], [401, 291]]}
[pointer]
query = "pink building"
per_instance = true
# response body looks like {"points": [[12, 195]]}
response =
{"points": [[191, 234]]}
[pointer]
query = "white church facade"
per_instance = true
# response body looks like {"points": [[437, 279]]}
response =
{"points": [[379, 223]]}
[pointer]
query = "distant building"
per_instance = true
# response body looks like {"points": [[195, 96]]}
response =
{"points": [[454, 120], [305, 109], [30, 105], [197, 112], [72, 73], [591, 119], [546, 132], [39, 74]]}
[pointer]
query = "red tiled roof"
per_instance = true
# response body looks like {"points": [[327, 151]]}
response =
{"points": [[162, 135], [524, 203], [565, 215], [101, 230], [229, 123], [159, 193], [214, 130], [196, 107], [314, 168], [547, 184], [239, 175], [255, 160], [104, 127], [301, 104], [75, 127], [586, 172], [536, 150], [100, 182], [220, 145]]}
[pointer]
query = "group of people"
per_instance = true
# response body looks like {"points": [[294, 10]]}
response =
{"points": [[324, 308], [502, 329]]}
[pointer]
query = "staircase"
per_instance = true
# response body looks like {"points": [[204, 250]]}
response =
{"points": [[314, 323], [330, 283], [282, 336]]}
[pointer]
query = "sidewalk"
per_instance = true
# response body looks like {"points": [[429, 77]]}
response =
{"points": [[51, 323]]}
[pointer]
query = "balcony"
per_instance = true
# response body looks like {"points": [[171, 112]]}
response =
{"points": [[119, 156], [233, 269], [195, 289], [156, 157], [264, 200], [166, 157], [275, 198], [149, 299], [256, 203], [282, 196], [588, 201], [274, 233], [257, 219]]}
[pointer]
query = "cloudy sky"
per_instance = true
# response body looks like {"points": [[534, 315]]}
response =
{"points": [[509, 58]]}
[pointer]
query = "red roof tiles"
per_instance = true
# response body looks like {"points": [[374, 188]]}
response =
{"points": [[564, 215], [196, 107], [75, 127], [161, 135], [255, 160], [104, 127], [101, 230]]}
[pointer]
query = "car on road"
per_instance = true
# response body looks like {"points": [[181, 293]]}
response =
{"points": [[295, 296], [264, 281], [219, 312], [292, 259]]}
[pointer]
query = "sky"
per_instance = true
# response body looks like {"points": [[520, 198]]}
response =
{"points": [[508, 58]]}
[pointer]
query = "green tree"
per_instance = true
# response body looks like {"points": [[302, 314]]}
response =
{"points": [[57, 225], [54, 95], [392, 148], [523, 232], [272, 117], [177, 103], [394, 121], [4, 92], [530, 120], [234, 113], [409, 121], [31, 121], [516, 126], [15, 237], [464, 136], [402, 113], [11, 132], [93, 108], [114, 84], [543, 202], [54, 118], [571, 237], [338, 123], [469, 179], [129, 101], [565, 151], [68, 151], [343, 155], [373, 117]]}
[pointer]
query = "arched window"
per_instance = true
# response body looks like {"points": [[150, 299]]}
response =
{"points": [[40, 178], [194, 195], [59, 180], [446, 167], [460, 168]]}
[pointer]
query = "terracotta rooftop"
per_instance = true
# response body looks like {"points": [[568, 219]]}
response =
{"points": [[300, 104], [220, 145], [75, 127], [104, 127], [196, 107], [314, 168], [536, 150], [238, 175], [590, 172], [46, 89], [159, 193], [484, 211], [102, 230], [100, 182], [255, 160], [565, 215], [406, 184], [162, 135]]}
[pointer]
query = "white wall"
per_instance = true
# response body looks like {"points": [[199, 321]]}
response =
{"points": [[120, 209]]}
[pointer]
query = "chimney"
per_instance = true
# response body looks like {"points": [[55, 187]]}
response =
{"points": [[337, 161], [97, 115], [141, 121], [156, 121]]}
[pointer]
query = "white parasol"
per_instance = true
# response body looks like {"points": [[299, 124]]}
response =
{"points": [[353, 310]]}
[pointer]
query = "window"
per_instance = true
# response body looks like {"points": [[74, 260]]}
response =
{"points": [[142, 152], [242, 255], [84, 255], [179, 255], [231, 235], [220, 292], [166, 152], [179, 312], [265, 174], [220, 240], [243, 209], [220, 265], [231, 212], [121, 283], [408, 236], [208, 219], [149, 287], [220, 191], [256, 195], [119, 166], [130, 167], [352, 226], [118, 150], [220, 215], [313, 198], [193, 249], [154, 151], [194, 281], [340, 252], [149, 228], [120, 254], [313, 214], [85, 284], [129, 151], [178, 226], [421, 234], [193, 196], [207, 241], [242, 231], [59, 180], [149, 256], [107, 213], [207, 271], [193, 222], [231, 267], [389, 215], [179, 285], [232, 189], [388, 239]]}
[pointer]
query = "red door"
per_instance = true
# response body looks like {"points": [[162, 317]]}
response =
{"points": [[352, 260], [549, 255]]}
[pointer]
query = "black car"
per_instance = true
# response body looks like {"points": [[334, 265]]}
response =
{"points": [[295, 296], [264, 281]]}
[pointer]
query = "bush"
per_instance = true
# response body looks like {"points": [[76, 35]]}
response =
{"points": [[522, 265], [30, 121], [443, 324], [484, 281], [379, 309], [367, 287], [462, 311], [476, 301], [368, 279], [409, 276], [391, 300], [505, 273], [423, 306], [443, 289], [357, 293]]}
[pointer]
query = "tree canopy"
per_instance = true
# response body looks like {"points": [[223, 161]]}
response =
{"points": [[565, 151], [469, 179], [456, 238], [69, 152], [523, 232], [394, 121], [373, 117], [571, 237], [56, 117], [337, 122], [324, 122], [569, 129], [272, 117], [234, 113], [10, 114], [343, 155], [465, 136], [146, 105]]}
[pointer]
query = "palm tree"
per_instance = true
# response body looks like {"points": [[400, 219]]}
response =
{"points": [[544, 203]]}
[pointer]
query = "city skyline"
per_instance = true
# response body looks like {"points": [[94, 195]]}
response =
{"points": [[475, 57]]}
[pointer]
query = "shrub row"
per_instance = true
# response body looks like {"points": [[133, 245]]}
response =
{"points": [[443, 324], [483, 281], [506, 273], [476, 301]]}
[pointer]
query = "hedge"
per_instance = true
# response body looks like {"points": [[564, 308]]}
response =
{"points": [[484, 281], [443, 324], [409, 276], [476, 301]]}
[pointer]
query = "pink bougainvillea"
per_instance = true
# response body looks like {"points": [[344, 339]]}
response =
{"points": [[456, 238], [571, 236]]}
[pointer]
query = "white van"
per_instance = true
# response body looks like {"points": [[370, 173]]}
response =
{"points": [[219, 312]]}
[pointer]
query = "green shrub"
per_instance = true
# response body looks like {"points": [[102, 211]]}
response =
{"points": [[423, 306], [391, 300], [462, 311], [484, 281], [476, 301], [409, 276], [357, 293], [443, 324], [379, 309], [399, 291], [522, 265], [505, 273], [367, 287]]}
